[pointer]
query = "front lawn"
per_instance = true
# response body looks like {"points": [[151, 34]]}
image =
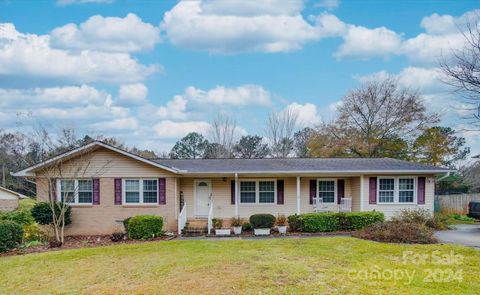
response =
{"points": [[268, 266]]}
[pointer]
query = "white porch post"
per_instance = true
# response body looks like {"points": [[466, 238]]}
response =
{"points": [[298, 194], [362, 192], [176, 198], [236, 194]]}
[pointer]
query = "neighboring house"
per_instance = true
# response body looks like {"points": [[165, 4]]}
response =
{"points": [[9, 199], [115, 184]]}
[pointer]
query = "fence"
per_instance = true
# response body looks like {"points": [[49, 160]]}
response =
{"points": [[457, 203]]}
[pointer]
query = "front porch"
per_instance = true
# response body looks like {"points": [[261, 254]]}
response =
{"points": [[201, 198]]}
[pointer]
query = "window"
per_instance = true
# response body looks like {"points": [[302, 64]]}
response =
{"points": [[386, 190], [76, 191], [257, 192], [141, 191], [266, 191], [396, 189], [327, 190], [406, 190], [248, 192]]}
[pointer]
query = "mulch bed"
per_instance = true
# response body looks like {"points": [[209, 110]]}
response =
{"points": [[75, 242]]}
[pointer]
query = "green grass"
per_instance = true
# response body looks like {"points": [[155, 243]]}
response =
{"points": [[270, 266]]}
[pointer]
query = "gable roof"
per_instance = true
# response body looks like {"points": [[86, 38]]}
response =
{"points": [[255, 166], [18, 195], [85, 148], [296, 165]]}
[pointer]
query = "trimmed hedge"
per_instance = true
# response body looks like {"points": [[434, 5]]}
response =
{"points": [[262, 220], [142, 227], [328, 222], [20, 216], [42, 213], [11, 235]]}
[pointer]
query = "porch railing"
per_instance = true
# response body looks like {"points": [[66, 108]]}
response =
{"points": [[210, 215], [182, 218]]}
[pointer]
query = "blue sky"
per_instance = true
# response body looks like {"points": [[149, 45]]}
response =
{"points": [[151, 71]]}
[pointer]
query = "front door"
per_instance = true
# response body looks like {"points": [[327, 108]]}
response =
{"points": [[202, 195]]}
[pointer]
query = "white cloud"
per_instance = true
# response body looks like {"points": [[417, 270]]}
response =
{"points": [[68, 2], [175, 109], [238, 96], [113, 34], [133, 93], [328, 4], [128, 123], [30, 55], [361, 42], [307, 113], [171, 129], [238, 26]]}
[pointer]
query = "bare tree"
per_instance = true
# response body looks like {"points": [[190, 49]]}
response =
{"points": [[279, 132], [222, 137], [463, 68]]}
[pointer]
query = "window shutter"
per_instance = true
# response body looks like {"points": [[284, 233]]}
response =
{"points": [[313, 189], [96, 191], [162, 192], [372, 192], [421, 191], [280, 192], [340, 189], [232, 192], [53, 191], [118, 191]]}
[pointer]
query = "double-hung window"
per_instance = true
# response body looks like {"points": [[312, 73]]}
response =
{"points": [[76, 191], [396, 190], [327, 190], [140, 191], [257, 191]]}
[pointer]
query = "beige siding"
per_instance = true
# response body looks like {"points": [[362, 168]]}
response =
{"points": [[391, 209], [8, 204], [355, 189]]}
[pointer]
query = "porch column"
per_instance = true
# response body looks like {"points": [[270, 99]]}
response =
{"points": [[362, 192], [298, 194], [236, 194], [176, 198]]}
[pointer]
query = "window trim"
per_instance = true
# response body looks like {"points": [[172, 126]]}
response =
{"points": [[257, 191], [335, 189], [141, 201], [396, 194], [76, 191]]}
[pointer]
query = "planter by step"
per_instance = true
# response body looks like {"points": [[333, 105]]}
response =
{"points": [[222, 232], [282, 229], [237, 230], [261, 231]]}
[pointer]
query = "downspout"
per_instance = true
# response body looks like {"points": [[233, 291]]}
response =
{"points": [[444, 176], [236, 194]]}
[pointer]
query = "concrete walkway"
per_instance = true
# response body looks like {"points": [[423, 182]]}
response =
{"points": [[462, 234]]}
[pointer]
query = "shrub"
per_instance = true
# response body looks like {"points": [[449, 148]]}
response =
{"points": [[117, 237], [42, 213], [236, 221], [397, 232], [358, 220], [247, 226], [262, 220], [144, 227], [281, 220], [22, 217], [125, 223], [217, 223], [11, 234], [438, 222], [319, 222], [32, 232], [295, 223], [421, 216]]}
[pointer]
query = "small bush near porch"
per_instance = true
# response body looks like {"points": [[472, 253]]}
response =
{"points": [[267, 266]]}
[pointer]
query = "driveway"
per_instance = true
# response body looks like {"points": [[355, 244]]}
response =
{"points": [[462, 234]]}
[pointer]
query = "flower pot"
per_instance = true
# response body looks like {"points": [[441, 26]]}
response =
{"points": [[222, 232], [261, 231], [237, 230], [282, 229]]}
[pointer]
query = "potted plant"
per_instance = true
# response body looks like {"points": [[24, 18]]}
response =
{"points": [[217, 225], [282, 224], [262, 223], [236, 223]]}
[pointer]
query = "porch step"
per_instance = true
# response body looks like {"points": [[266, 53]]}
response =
{"points": [[197, 222], [191, 231]]}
